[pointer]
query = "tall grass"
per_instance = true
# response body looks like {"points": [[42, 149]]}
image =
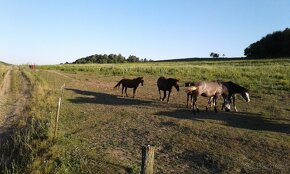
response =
{"points": [[3, 70], [26, 143]]}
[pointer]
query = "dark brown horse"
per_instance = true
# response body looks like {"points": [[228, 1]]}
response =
{"points": [[166, 84], [130, 83]]}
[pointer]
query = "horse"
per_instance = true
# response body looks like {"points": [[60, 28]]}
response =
{"points": [[190, 97], [234, 89], [130, 83], [213, 89], [166, 84]]}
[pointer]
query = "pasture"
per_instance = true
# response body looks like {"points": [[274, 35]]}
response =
{"points": [[102, 132]]}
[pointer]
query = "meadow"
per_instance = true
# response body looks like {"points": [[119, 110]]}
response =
{"points": [[102, 132]]}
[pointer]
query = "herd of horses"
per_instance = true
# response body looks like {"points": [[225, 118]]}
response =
{"points": [[211, 89]]}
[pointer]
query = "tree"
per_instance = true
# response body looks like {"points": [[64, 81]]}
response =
{"points": [[214, 55], [273, 45], [133, 58]]}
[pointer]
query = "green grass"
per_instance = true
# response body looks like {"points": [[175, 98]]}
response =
{"points": [[101, 132]]}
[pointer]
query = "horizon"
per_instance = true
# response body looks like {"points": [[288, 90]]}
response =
{"points": [[55, 32]]}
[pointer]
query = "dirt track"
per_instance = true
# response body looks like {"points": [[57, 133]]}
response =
{"points": [[12, 101]]}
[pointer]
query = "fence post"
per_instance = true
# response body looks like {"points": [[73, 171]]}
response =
{"points": [[58, 111], [56, 119], [147, 159], [61, 90]]}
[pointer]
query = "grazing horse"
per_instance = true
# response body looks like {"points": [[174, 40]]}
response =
{"points": [[234, 89], [130, 83], [166, 84], [213, 89], [190, 97]]}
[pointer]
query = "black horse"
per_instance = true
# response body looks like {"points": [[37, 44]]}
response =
{"points": [[234, 89], [166, 84], [130, 83]]}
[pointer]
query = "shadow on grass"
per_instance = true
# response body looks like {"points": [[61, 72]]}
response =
{"points": [[243, 120], [106, 99]]}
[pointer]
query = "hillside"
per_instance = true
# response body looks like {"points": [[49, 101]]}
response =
{"points": [[3, 63]]}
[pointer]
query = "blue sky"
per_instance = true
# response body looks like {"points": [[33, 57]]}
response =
{"points": [[55, 31]]}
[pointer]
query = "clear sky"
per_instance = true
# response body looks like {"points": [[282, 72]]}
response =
{"points": [[58, 31]]}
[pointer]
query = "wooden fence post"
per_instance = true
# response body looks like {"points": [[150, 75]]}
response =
{"points": [[147, 159], [58, 111], [61, 90], [56, 119]]}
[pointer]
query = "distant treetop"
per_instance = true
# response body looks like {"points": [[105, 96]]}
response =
{"points": [[272, 45], [111, 58]]}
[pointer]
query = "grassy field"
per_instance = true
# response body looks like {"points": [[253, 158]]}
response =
{"points": [[3, 70], [102, 132]]}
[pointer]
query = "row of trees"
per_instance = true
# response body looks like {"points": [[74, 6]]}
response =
{"points": [[274, 45], [111, 58]]}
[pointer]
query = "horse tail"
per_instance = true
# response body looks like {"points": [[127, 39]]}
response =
{"points": [[119, 83], [190, 89]]}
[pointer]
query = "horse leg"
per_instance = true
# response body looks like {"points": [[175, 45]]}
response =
{"points": [[191, 101], [134, 91], [234, 103], [187, 100], [126, 91], [194, 104], [168, 96], [123, 90], [164, 95], [159, 95], [209, 103], [215, 103]]}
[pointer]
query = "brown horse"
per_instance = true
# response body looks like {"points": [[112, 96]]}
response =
{"points": [[190, 97], [166, 84], [130, 83], [216, 89], [213, 89]]}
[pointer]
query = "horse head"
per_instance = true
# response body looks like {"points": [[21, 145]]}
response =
{"points": [[239, 89], [175, 84], [141, 80], [245, 94]]}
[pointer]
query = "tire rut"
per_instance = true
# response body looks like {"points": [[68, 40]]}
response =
{"points": [[12, 105]]}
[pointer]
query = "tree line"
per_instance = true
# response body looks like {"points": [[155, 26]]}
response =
{"points": [[111, 58], [274, 45]]}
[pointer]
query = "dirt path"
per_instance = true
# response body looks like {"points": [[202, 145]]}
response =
{"points": [[12, 103]]}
